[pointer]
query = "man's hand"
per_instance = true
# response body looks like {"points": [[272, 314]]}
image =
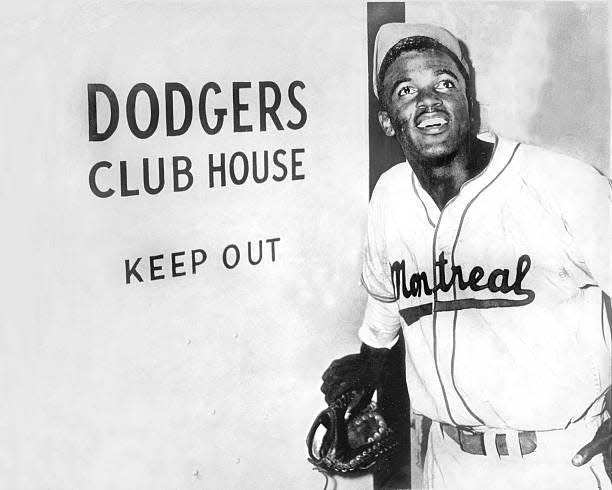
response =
{"points": [[601, 443], [354, 371]]}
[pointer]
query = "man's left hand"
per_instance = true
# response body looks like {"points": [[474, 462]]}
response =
{"points": [[601, 443]]}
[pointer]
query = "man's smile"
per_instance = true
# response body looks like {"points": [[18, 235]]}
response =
{"points": [[432, 122]]}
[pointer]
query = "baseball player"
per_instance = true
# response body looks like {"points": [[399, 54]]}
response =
{"points": [[493, 258]]}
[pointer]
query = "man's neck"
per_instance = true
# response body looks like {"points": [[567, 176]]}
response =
{"points": [[442, 179]]}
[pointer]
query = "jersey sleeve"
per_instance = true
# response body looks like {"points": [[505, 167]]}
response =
{"points": [[587, 215], [381, 324], [376, 273]]}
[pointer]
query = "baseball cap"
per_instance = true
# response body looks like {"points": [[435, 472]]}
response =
{"points": [[390, 34]]}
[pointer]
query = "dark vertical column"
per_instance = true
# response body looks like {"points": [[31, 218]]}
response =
{"points": [[394, 473], [385, 152]]}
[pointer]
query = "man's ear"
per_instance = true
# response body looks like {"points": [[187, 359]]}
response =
{"points": [[385, 123]]}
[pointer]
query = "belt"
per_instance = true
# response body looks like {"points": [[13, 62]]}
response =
{"points": [[473, 442]]}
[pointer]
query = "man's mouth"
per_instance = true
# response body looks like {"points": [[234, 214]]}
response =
{"points": [[431, 121]]}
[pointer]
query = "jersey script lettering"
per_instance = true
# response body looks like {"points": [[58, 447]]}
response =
{"points": [[498, 281]]}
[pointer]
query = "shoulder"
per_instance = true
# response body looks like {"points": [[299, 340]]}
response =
{"points": [[388, 199], [393, 178], [552, 169], [560, 181], [393, 183]]}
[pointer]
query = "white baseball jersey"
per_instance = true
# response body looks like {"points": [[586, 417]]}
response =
{"points": [[499, 294]]}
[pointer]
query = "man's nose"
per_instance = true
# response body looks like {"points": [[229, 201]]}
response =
{"points": [[428, 99]]}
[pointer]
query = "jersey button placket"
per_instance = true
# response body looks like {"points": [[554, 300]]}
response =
{"points": [[448, 225], [443, 320]]}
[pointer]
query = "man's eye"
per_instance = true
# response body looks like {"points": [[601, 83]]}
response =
{"points": [[406, 90], [445, 85]]}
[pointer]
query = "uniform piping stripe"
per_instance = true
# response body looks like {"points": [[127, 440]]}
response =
{"points": [[422, 203], [606, 314], [467, 407], [596, 478], [384, 299], [435, 316], [455, 289]]}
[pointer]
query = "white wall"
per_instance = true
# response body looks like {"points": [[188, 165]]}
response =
{"points": [[207, 381]]}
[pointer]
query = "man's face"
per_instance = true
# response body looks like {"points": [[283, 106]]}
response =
{"points": [[427, 105]]}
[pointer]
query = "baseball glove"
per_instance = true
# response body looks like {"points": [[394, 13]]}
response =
{"points": [[355, 439]]}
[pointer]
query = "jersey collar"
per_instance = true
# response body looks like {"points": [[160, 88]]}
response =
{"points": [[501, 156]]}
